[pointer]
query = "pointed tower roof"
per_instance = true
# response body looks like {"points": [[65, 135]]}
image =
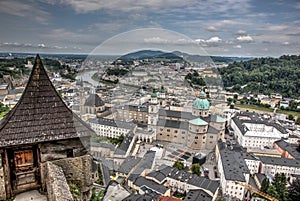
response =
{"points": [[40, 115], [94, 101]]}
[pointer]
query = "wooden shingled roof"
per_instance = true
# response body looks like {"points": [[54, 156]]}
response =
{"points": [[40, 115]]}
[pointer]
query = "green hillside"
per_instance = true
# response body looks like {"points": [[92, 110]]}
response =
{"points": [[264, 75]]}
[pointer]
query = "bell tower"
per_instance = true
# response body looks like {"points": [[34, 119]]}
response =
{"points": [[153, 110]]}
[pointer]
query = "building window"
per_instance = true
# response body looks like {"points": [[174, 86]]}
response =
{"points": [[196, 143], [211, 137], [203, 137], [168, 130], [196, 137], [175, 131], [183, 132]]}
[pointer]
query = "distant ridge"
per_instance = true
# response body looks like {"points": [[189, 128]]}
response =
{"points": [[178, 56], [143, 54]]}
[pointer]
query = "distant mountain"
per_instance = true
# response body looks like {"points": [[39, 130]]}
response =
{"points": [[178, 56], [151, 55], [143, 54]]}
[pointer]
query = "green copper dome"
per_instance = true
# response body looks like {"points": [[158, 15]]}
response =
{"points": [[201, 104], [153, 95]]}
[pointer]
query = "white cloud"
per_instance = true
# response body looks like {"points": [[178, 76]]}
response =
{"points": [[297, 5], [122, 5], [22, 9], [159, 40], [156, 40], [191, 6], [41, 45], [246, 39], [25, 46], [214, 39], [212, 29], [280, 27], [230, 22], [241, 32], [237, 46]]}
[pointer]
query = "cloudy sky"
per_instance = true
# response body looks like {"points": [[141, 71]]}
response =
{"points": [[221, 27]]}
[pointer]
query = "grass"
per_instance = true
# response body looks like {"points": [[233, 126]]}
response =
{"points": [[270, 110], [254, 107], [3, 114]]}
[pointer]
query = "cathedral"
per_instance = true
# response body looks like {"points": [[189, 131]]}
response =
{"points": [[197, 130]]}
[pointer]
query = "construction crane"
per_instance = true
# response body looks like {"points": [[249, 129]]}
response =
{"points": [[248, 187]]}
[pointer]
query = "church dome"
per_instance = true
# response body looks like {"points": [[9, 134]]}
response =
{"points": [[154, 95], [201, 104]]}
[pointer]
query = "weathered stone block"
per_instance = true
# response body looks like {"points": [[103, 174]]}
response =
{"points": [[80, 169], [57, 186]]}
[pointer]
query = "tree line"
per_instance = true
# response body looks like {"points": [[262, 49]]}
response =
{"points": [[278, 188], [264, 75]]}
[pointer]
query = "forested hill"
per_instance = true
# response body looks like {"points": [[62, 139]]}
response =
{"points": [[264, 75]]}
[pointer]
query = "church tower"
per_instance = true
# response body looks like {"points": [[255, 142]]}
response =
{"points": [[153, 110]]}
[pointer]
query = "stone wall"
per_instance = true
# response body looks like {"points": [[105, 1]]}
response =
{"points": [[2, 182], [60, 149], [78, 169], [57, 186]]}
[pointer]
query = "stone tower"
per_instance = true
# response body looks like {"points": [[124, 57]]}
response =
{"points": [[39, 130], [153, 111]]}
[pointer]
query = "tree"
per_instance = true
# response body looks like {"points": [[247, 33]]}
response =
{"points": [[294, 190], [280, 183], [265, 185], [196, 169], [298, 120], [179, 165], [291, 117], [272, 192]]}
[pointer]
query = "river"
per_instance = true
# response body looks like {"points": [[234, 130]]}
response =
{"points": [[87, 77]]}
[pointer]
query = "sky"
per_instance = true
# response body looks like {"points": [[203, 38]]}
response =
{"points": [[219, 27]]}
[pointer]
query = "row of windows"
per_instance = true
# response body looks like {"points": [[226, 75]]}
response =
{"points": [[103, 128], [169, 130], [175, 136], [109, 131], [203, 142], [197, 130]]}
